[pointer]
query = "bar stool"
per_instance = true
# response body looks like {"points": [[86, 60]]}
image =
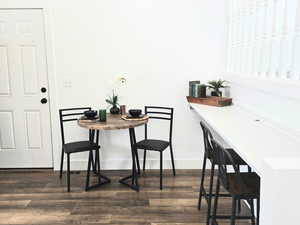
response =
{"points": [[240, 186], [209, 155]]}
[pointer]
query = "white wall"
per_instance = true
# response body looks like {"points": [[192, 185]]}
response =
{"points": [[157, 45]]}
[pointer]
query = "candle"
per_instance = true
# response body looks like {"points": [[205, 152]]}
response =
{"points": [[123, 109], [102, 115]]}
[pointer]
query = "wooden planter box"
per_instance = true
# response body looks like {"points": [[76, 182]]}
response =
{"points": [[212, 101]]}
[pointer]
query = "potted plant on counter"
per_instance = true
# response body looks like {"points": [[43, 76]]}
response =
{"points": [[216, 85]]}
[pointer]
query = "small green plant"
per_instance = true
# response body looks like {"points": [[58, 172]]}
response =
{"points": [[216, 85], [113, 100]]}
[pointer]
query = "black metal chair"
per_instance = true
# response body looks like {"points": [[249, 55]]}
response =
{"points": [[160, 113], [241, 186], [209, 155], [68, 115]]}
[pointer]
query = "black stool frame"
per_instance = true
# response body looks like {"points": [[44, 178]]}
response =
{"points": [[222, 156], [209, 155]]}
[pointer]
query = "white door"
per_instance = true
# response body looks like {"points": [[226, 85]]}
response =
{"points": [[25, 136]]}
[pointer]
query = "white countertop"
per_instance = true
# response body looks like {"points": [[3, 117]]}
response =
{"points": [[259, 143]]}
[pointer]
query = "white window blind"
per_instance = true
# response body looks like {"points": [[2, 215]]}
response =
{"points": [[264, 38]]}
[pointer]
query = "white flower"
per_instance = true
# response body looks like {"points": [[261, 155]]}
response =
{"points": [[121, 80]]}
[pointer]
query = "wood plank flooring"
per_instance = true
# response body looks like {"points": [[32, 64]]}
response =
{"points": [[40, 197]]}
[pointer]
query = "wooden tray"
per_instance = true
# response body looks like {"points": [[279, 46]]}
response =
{"points": [[212, 101], [145, 117]]}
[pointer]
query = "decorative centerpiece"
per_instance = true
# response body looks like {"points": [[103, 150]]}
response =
{"points": [[216, 85], [113, 102], [215, 99]]}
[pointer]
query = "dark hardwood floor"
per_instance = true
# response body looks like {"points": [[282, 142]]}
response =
{"points": [[40, 197]]}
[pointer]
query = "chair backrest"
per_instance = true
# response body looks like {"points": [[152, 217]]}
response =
{"points": [[160, 113], [207, 137], [224, 158], [68, 115]]}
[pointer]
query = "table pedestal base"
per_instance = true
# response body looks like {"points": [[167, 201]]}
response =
{"points": [[133, 185], [132, 180], [101, 178], [100, 183]]}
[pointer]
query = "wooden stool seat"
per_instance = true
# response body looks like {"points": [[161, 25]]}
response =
{"points": [[250, 187], [241, 186]]}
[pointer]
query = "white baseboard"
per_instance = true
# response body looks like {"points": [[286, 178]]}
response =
{"points": [[126, 164]]}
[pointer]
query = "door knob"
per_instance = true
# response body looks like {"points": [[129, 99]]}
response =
{"points": [[43, 90], [43, 100]]}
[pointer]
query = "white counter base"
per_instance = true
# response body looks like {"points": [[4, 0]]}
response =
{"points": [[273, 154]]}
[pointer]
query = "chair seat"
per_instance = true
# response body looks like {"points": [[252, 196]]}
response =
{"points": [[251, 187], [152, 144], [79, 146]]}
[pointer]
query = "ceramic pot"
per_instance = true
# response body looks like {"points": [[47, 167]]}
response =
{"points": [[218, 94], [114, 110]]}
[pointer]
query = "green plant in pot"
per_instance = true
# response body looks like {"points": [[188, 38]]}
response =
{"points": [[113, 102], [216, 85]]}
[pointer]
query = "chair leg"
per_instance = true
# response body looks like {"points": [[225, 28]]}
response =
{"points": [[88, 171], [61, 163], [257, 211], [202, 182], [68, 171], [144, 161], [233, 212], [161, 169], [97, 152], [239, 206], [249, 169], [137, 161], [252, 212], [210, 193], [172, 158], [98, 165], [93, 160], [136, 152], [216, 202], [239, 201]]}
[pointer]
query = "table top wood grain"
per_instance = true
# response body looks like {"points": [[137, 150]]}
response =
{"points": [[113, 122]]}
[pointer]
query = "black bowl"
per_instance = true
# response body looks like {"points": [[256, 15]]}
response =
{"points": [[90, 114], [135, 112]]}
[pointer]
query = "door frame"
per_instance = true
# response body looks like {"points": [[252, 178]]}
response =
{"points": [[51, 71]]}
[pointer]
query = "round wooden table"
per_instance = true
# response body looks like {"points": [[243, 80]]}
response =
{"points": [[114, 122]]}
